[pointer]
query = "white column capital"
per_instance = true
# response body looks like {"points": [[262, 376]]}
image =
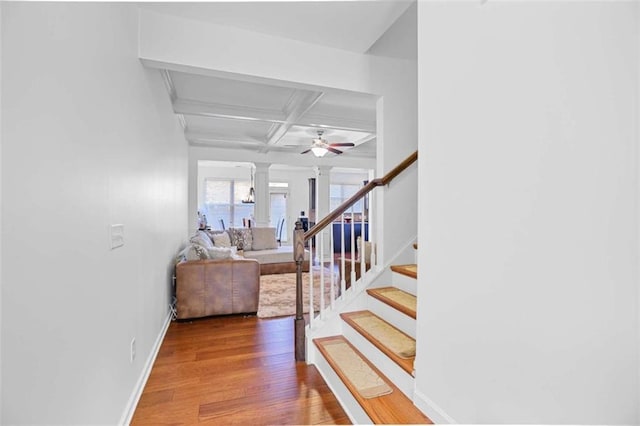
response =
{"points": [[262, 166], [322, 170]]}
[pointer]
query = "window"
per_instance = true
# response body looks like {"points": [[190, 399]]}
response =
{"points": [[223, 200], [278, 192], [339, 193]]}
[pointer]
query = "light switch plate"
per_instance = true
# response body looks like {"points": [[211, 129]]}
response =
{"points": [[117, 236]]}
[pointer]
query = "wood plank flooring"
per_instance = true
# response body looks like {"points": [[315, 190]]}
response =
{"points": [[234, 370]]}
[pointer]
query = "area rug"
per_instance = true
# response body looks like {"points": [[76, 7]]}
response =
{"points": [[278, 293]]}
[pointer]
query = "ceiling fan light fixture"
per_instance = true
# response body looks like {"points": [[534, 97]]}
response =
{"points": [[319, 151]]}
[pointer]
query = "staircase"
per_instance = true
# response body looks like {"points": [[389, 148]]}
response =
{"points": [[369, 365], [363, 343]]}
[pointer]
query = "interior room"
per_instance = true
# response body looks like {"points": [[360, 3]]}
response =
{"points": [[488, 151]]}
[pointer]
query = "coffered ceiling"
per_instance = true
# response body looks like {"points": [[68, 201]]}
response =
{"points": [[262, 116], [227, 113]]}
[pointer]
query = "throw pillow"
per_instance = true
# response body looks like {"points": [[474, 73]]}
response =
{"points": [[220, 253], [202, 239], [264, 238], [182, 256], [222, 240], [212, 232], [196, 252], [241, 238]]}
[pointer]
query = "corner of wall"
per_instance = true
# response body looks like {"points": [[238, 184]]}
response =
{"points": [[1, 310], [637, 170]]}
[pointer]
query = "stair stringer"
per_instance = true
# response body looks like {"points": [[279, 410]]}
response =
{"points": [[354, 299]]}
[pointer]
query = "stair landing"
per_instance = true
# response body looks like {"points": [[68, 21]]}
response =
{"points": [[392, 408]]}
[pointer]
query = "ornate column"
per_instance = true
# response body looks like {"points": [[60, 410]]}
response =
{"points": [[262, 209]]}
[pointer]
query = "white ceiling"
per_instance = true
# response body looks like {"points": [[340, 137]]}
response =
{"points": [[261, 117], [348, 25]]}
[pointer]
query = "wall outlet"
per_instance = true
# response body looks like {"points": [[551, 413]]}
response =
{"points": [[133, 350]]}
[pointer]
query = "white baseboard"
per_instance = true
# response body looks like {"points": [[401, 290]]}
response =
{"points": [[428, 407], [144, 376]]}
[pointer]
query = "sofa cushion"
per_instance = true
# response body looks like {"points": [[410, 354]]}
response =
{"points": [[220, 253], [222, 240], [212, 232], [277, 255], [241, 238], [264, 238]]}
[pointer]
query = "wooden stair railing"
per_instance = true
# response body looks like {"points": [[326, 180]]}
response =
{"points": [[300, 238]]}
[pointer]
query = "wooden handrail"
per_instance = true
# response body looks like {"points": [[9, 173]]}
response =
{"points": [[326, 221], [300, 237]]}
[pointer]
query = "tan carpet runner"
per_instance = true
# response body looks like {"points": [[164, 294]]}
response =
{"points": [[366, 381], [401, 297], [398, 342], [410, 270]]}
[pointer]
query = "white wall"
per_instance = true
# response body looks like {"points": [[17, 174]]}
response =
{"points": [[89, 140], [393, 76], [1, 138], [528, 303], [224, 50]]}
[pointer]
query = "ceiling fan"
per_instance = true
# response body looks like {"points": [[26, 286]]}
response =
{"points": [[320, 146]]}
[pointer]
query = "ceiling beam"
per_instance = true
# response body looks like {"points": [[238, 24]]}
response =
{"points": [[233, 112], [308, 119], [299, 104], [204, 136], [339, 123]]}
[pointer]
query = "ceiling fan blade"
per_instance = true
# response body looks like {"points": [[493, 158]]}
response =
{"points": [[335, 151], [304, 152], [342, 144]]}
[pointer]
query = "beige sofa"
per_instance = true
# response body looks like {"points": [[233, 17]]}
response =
{"points": [[220, 279], [260, 244]]}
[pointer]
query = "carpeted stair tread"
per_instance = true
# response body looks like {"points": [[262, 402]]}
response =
{"points": [[396, 298], [398, 346], [410, 270], [391, 408]]}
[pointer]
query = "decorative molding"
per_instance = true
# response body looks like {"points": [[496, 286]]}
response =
{"points": [[337, 123], [306, 119], [168, 84], [298, 105], [233, 112], [210, 137], [182, 121], [431, 409], [130, 408]]}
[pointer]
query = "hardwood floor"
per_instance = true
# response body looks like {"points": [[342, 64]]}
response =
{"points": [[234, 370]]}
